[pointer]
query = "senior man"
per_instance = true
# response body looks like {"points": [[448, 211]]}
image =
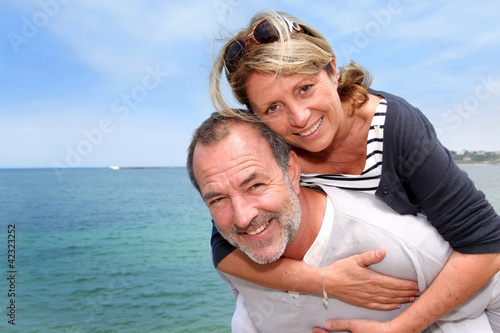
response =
{"points": [[249, 179]]}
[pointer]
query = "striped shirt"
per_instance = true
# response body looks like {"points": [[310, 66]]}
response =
{"points": [[369, 179]]}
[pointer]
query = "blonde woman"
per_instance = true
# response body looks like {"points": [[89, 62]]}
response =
{"points": [[348, 135]]}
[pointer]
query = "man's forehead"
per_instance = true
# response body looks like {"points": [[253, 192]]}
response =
{"points": [[243, 149], [243, 139]]}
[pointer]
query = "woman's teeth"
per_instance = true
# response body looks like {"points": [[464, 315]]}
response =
{"points": [[313, 129], [259, 230]]}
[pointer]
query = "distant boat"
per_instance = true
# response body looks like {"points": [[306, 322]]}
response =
{"points": [[114, 167]]}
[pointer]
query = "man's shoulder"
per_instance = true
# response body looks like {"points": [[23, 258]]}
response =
{"points": [[374, 215]]}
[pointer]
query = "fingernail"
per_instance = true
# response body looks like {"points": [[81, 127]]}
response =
{"points": [[378, 253]]}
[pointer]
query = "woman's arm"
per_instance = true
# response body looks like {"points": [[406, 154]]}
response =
{"points": [[420, 171], [419, 174], [462, 277], [348, 279]]}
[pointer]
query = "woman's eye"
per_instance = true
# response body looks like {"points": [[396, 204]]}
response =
{"points": [[272, 109], [305, 88]]}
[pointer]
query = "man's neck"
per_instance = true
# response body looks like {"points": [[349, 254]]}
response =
{"points": [[313, 205]]}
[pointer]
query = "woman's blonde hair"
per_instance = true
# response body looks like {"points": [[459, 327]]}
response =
{"points": [[306, 52]]}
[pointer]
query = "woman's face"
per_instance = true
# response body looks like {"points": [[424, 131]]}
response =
{"points": [[303, 109]]}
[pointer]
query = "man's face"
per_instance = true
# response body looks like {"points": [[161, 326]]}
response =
{"points": [[252, 203]]}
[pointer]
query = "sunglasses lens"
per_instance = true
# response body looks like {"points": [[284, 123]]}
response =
{"points": [[234, 52], [265, 33]]}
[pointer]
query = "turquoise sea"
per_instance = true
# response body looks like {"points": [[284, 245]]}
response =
{"points": [[100, 250]]}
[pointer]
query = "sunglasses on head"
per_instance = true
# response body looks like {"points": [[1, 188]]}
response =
{"points": [[263, 33]]}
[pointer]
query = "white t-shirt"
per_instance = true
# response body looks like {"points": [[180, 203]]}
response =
{"points": [[361, 222]]}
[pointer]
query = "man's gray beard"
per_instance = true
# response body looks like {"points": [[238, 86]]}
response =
{"points": [[290, 221]]}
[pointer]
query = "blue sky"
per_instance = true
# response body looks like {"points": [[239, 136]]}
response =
{"points": [[98, 83]]}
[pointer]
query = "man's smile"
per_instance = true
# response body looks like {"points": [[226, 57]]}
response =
{"points": [[259, 230]]}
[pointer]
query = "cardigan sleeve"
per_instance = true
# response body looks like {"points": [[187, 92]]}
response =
{"points": [[431, 181]]}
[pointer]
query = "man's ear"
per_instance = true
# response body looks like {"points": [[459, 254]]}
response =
{"points": [[294, 171]]}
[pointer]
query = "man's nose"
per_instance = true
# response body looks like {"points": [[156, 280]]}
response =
{"points": [[243, 212]]}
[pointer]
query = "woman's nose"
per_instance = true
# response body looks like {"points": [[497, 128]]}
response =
{"points": [[298, 116]]}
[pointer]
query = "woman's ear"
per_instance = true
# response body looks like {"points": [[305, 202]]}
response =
{"points": [[334, 65], [294, 171], [334, 73]]}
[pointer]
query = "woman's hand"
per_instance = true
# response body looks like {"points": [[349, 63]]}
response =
{"points": [[354, 326], [353, 282]]}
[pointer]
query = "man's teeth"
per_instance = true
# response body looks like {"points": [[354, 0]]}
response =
{"points": [[312, 130], [258, 231]]}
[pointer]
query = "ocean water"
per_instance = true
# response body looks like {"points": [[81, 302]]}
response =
{"points": [[487, 179], [109, 251], [98, 250]]}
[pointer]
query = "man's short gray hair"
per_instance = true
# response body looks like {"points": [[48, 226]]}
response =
{"points": [[218, 127]]}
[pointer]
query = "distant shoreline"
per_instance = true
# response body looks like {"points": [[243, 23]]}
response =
{"points": [[478, 164], [89, 167], [130, 168]]}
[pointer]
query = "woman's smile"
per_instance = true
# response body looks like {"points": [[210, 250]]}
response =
{"points": [[313, 129]]}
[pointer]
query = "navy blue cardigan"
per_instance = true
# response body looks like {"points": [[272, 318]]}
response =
{"points": [[419, 175]]}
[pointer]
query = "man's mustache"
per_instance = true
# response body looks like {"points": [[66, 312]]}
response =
{"points": [[256, 222]]}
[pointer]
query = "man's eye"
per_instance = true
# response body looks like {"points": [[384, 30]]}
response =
{"points": [[215, 201], [257, 186]]}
